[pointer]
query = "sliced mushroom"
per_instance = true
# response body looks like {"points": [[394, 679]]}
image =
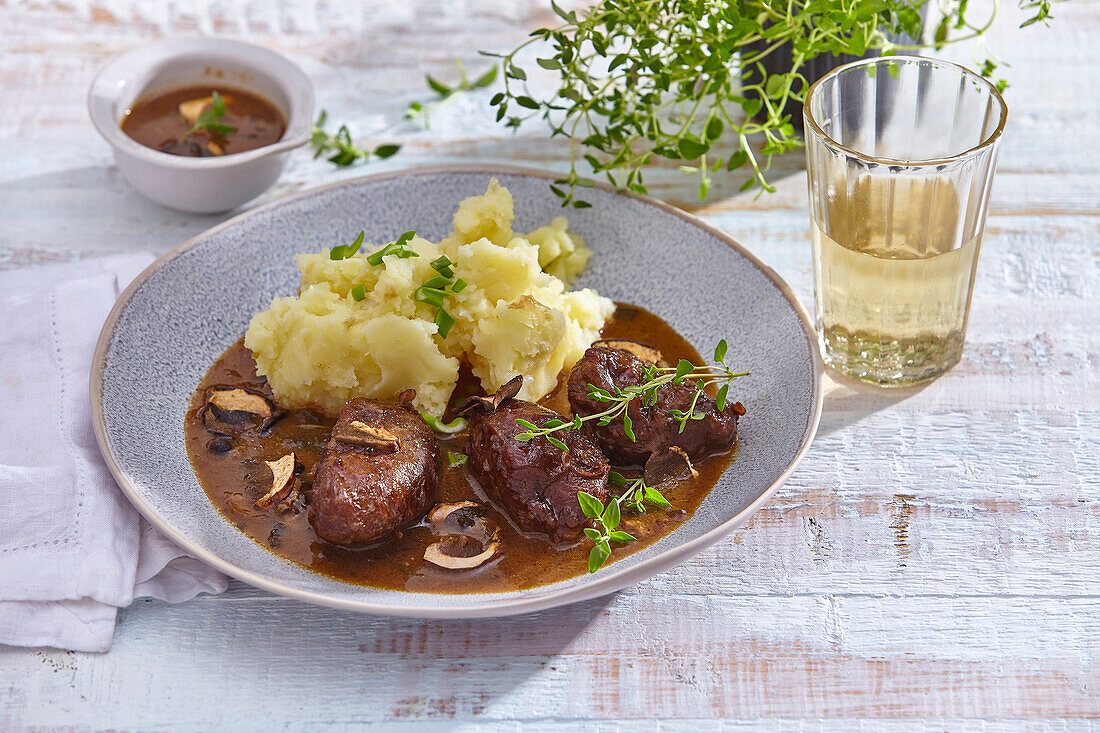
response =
{"points": [[238, 399], [366, 436], [462, 517], [469, 539], [282, 481], [668, 465], [507, 391], [238, 406], [440, 513], [645, 352], [460, 552]]}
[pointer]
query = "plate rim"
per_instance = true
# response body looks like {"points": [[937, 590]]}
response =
{"points": [[609, 583]]}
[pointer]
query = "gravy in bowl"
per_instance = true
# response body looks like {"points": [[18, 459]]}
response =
{"points": [[187, 122]]}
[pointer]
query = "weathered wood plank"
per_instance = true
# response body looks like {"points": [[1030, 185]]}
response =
{"points": [[670, 655]]}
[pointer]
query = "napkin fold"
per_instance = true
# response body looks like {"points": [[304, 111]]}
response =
{"points": [[73, 550]]}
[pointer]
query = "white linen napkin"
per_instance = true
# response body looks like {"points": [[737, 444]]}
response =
{"points": [[72, 548]]}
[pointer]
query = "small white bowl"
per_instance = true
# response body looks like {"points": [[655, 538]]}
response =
{"points": [[200, 185]]}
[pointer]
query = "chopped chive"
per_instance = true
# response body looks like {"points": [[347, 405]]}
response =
{"points": [[438, 282], [444, 320], [343, 251], [446, 428]]}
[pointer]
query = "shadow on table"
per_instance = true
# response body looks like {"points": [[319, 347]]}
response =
{"points": [[848, 401], [404, 667]]}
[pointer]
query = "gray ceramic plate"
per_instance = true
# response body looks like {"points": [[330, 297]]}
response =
{"points": [[186, 308]]}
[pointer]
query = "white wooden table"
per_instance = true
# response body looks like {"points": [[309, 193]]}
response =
{"points": [[933, 563]]}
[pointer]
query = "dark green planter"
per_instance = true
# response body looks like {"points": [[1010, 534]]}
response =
{"points": [[779, 62]]}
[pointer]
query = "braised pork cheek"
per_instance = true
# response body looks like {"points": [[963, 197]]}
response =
{"points": [[534, 482], [654, 426], [377, 474]]}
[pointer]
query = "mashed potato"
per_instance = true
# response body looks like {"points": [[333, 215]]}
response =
{"points": [[515, 316]]}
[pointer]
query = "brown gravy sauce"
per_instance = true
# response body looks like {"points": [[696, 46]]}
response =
{"points": [[156, 123], [235, 479]]}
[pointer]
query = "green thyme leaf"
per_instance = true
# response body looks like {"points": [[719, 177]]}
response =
{"points": [[656, 498], [691, 148], [598, 556], [209, 116], [386, 151], [684, 368], [591, 507], [437, 86], [557, 443], [486, 79], [720, 351], [723, 393], [611, 515]]}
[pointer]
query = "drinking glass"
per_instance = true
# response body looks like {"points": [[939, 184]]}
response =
{"points": [[900, 153]]}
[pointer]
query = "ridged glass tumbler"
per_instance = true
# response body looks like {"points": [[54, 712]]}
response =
{"points": [[900, 153]]}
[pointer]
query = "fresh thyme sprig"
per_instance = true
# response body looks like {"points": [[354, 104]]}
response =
{"points": [[656, 377], [606, 519], [682, 80], [447, 94], [635, 497], [637, 493], [208, 118], [346, 152]]}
